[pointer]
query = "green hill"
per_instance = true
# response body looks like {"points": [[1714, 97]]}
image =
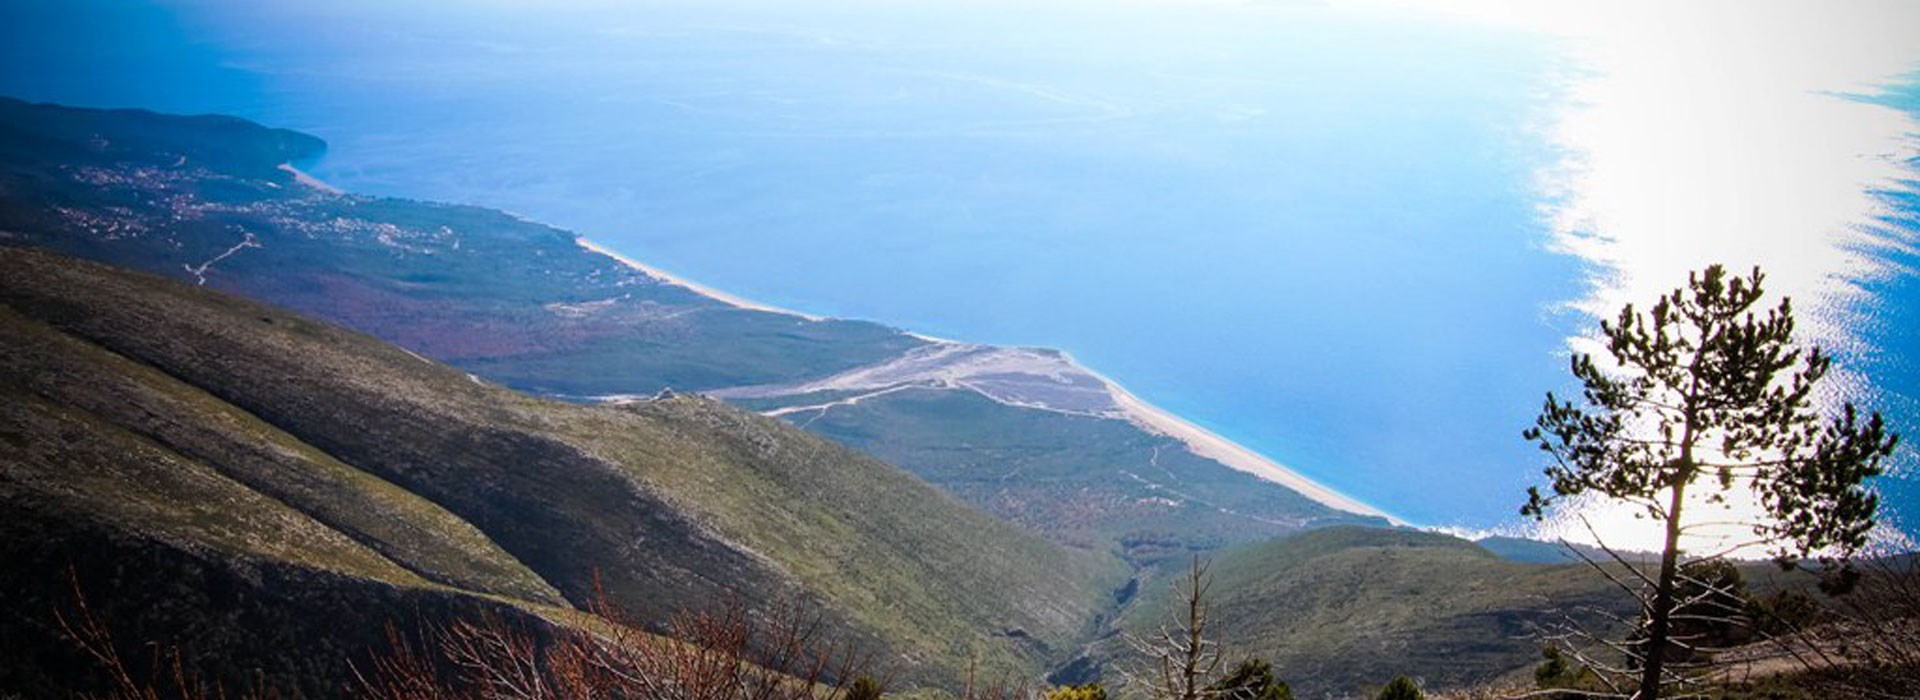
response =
{"points": [[1340, 609], [294, 481]]}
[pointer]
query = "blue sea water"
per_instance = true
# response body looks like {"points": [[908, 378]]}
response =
{"points": [[1316, 231]]}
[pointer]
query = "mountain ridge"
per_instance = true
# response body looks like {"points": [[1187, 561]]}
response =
{"points": [[1339, 610], [666, 506]]}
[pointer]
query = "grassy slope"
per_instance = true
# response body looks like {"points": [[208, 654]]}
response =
{"points": [[237, 619], [1084, 481], [174, 551], [134, 402], [1341, 609], [875, 539], [670, 502]]}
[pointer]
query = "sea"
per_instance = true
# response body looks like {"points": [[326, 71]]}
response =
{"points": [[1361, 238]]}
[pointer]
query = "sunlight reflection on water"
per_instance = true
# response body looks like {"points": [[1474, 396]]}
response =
{"points": [[1731, 132]]}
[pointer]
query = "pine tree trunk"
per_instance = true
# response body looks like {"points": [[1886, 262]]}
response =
{"points": [[1662, 609]]}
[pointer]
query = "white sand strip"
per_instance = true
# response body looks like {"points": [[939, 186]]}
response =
{"points": [[303, 178], [696, 287], [1208, 444]]}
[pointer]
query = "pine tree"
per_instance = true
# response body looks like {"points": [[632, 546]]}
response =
{"points": [[864, 688], [1253, 679], [1704, 395], [1402, 688]]}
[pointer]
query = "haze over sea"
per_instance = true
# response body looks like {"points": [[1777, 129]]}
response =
{"points": [[1357, 237]]}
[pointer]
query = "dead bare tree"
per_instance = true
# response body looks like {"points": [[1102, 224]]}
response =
{"points": [[1180, 660]]}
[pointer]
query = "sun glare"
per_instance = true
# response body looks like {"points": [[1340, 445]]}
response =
{"points": [[1719, 132]]}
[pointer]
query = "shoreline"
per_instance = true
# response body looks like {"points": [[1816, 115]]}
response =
{"points": [[1211, 445], [1147, 416], [695, 287]]}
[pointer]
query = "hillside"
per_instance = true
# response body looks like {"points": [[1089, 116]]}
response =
{"points": [[1341, 609], [293, 481], [1025, 434]]}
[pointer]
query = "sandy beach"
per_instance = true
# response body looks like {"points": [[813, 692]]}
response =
{"points": [[303, 178], [697, 288], [1207, 444]]}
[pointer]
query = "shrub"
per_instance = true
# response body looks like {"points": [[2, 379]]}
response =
{"points": [[1555, 673], [1086, 691], [1785, 612], [864, 688]]}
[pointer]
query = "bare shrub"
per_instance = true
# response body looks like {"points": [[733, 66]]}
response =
{"points": [[727, 653], [167, 676], [1871, 647]]}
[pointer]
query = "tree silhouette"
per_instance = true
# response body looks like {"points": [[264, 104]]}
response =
{"points": [[1703, 393], [1180, 660]]}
